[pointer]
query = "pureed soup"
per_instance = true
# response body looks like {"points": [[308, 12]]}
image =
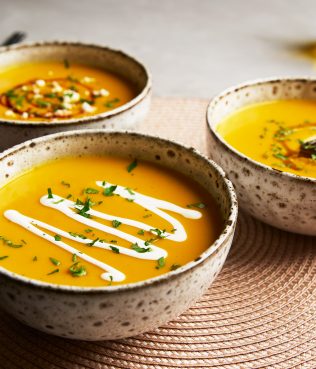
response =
{"points": [[52, 91], [281, 134], [98, 221]]}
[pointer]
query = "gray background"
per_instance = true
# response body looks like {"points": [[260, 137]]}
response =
{"points": [[194, 48]]}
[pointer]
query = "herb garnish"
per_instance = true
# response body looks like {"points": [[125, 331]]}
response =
{"points": [[116, 223], [49, 193], [88, 230], [10, 243], [90, 190], [84, 207], [93, 242], [139, 249], [54, 261], [111, 103], [53, 272], [34, 258], [130, 191], [111, 280], [77, 270], [74, 258], [161, 262], [65, 184], [198, 205], [3, 257], [132, 166], [66, 64], [141, 232], [57, 237], [115, 249], [108, 191], [175, 266]]}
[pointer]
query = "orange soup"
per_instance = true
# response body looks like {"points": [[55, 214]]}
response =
{"points": [[52, 91], [281, 134], [98, 221]]}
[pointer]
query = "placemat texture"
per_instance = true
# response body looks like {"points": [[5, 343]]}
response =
{"points": [[259, 313]]}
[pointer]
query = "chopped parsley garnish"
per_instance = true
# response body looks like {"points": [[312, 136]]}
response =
{"points": [[113, 241], [34, 258], [159, 232], [130, 191], [198, 205], [49, 193], [53, 272], [161, 262], [69, 196], [3, 257], [59, 201], [90, 191], [94, 241], [74, 258], [88, 230], [42, 104], [111, 280], [175, 266], [9, 243], [111, 103], [132, 166], [108, 191], [84, 207], [57, 237], [141, 232], [280, 156], [115, 249], [75, 234], [147, 215], [116, 223], [139, 249], [77, 270], [66, 64], [66, 184], [173, 230], [54, 261]]}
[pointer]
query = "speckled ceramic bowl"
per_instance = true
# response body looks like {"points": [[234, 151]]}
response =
{"points": [[126, 116], [284, 200], [114, 312]]}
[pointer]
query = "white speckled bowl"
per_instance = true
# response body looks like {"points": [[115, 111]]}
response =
{"points": [[114, 312], [284, 200], [126, 116]]}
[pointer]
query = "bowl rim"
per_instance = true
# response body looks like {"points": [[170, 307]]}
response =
{"points": [[91, 118], [227, 229], [239, 155]]}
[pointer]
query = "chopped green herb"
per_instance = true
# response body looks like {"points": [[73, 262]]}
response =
{"points": [[34, 258], [108, 191], [3, 257], [54, 261], [132, 166], [131, 192], [198, 205], [313, 156], [77, 270], [9, 243], [66, 184], [84, 207], [49, 193], [59, 201], [53, 272], [50, 95], [173, 230], [88, 230], [147, 215], [116, 223], [161, 262], [139, 249], [159, 232], [111, 280], [23, 241], [74, 258], [130, 200], [11, 94], [175, 266], [57, 237], [113, 241], [280, 156], [69, 196], [115, 249], [111, 103], [90, 190], [93, 242], [66, 64], [141, 232], [42, 104]]}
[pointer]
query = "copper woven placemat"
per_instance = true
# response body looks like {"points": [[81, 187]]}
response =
{"points": [[259, 313]]}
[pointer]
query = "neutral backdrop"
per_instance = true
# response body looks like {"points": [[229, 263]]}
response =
{"points": [[194, 48]]}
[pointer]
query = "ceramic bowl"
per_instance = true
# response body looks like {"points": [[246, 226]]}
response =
{"points": [[281, 199], [126, 116], [113, 312]]}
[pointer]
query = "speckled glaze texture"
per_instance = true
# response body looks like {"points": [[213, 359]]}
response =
{"points": [[278, 198], [124, 117], [114, 312]]}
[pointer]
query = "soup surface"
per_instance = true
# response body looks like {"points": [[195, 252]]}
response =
{"points": [[50, 91], [281, 134], [98, 221]]}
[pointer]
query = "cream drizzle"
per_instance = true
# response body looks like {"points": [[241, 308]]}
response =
{"points": [[67, 207]]}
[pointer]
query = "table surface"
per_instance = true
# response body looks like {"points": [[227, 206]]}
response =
{"points": [[193, 48]]}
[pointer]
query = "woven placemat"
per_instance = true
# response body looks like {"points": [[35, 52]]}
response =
{"points": [[259, 313]]}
